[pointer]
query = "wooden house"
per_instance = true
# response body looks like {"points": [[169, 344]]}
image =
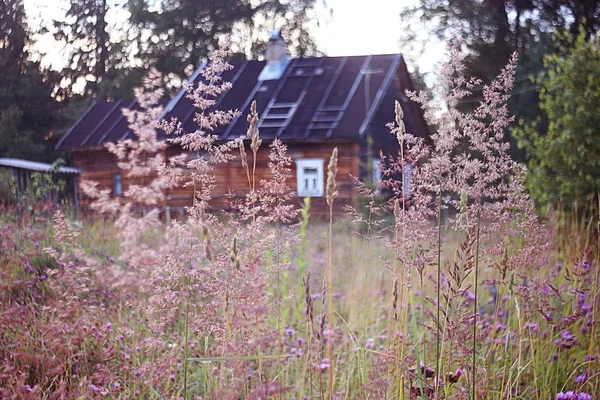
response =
{"points": [[311, 104]]}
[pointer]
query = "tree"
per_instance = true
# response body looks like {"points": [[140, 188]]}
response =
{"points": [[575, 14], [27, 109], [13, 35], [174, 36], [97, 54], [86, 42], [178, 34], [493, 29], [562, 144]]}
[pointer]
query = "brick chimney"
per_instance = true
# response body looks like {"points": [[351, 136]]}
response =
{"points": [[276, 58], [276, 47]]}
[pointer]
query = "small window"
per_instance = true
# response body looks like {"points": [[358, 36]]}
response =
{"points": [[376, 170], [117, 184], [309, 177]]}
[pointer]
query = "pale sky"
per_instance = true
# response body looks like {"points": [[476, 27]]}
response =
{"points": [[357, 27]]}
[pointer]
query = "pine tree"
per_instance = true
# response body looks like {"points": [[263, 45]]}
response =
{"points": [[491, 30], [27, 109], [562, 144], [98, 54], [178, 35]]}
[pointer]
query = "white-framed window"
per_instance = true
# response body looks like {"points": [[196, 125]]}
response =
{"points": [[117, 184], [309, 177], [376, 170]]}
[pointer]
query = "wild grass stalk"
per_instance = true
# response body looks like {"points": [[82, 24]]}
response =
{"points": [[185, 347], [438, 338], [331, 193], [595, 297], [475, 308], [362, 362]]}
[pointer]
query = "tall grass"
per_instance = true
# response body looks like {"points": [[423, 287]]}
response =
{"points": [[485, 303]]}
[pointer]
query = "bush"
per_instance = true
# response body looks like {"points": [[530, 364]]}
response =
{"points": [[563, 147]]}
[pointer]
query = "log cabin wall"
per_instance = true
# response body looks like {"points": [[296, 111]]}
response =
{"points": [[100, 166], [311, 104]]}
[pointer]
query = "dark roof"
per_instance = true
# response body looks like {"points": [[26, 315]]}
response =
{"points": [[316, 99], [101, 123]]}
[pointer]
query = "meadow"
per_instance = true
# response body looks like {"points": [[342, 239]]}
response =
{"points": [[453, 288]]}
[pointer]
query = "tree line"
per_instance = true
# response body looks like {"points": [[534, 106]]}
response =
{"points": [[109, 45], [556, 100]]}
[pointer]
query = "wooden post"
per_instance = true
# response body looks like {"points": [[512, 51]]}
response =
{"points": [[355, 168], [17, 192], [75, 197]]}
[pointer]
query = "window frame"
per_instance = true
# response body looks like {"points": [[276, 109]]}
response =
{"points": [[376, 172], [117, 180], [312, 163]]}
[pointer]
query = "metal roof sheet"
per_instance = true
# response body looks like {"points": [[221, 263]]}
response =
{"points": [[316, 99], [36, 166]]}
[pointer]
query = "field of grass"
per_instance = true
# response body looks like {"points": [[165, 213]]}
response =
{"points": [[83, 324], [451, 287]]}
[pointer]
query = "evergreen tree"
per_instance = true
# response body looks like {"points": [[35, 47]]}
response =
{"points": [[174, 36], [27, 109], [83, 31], [178, 34], [98, 54], [563, 145], [492, 30]]}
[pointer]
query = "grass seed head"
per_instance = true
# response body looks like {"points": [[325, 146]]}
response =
{"points": [[331, 191]]}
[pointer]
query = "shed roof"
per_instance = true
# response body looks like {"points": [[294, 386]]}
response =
{"points": [[36, 166], [316, 99]]}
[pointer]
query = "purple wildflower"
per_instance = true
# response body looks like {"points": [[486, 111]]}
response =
{"points": [[532, 326], [570, 395], [325, 365], [581, 378], [94, 388], [290, 331]]}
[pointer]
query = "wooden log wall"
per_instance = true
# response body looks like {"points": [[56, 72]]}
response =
{"points": [[100, 166]]}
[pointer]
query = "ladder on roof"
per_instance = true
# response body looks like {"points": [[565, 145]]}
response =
{"points": [[279, 114], [328, 117]]}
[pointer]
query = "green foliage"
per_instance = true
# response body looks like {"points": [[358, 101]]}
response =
{"points": [[563, 145], [27, 110], [109, 58], [41, 189], [491, 30], [183, 33]]}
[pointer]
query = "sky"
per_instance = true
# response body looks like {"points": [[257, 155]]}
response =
{"points": [[353, 29]]}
